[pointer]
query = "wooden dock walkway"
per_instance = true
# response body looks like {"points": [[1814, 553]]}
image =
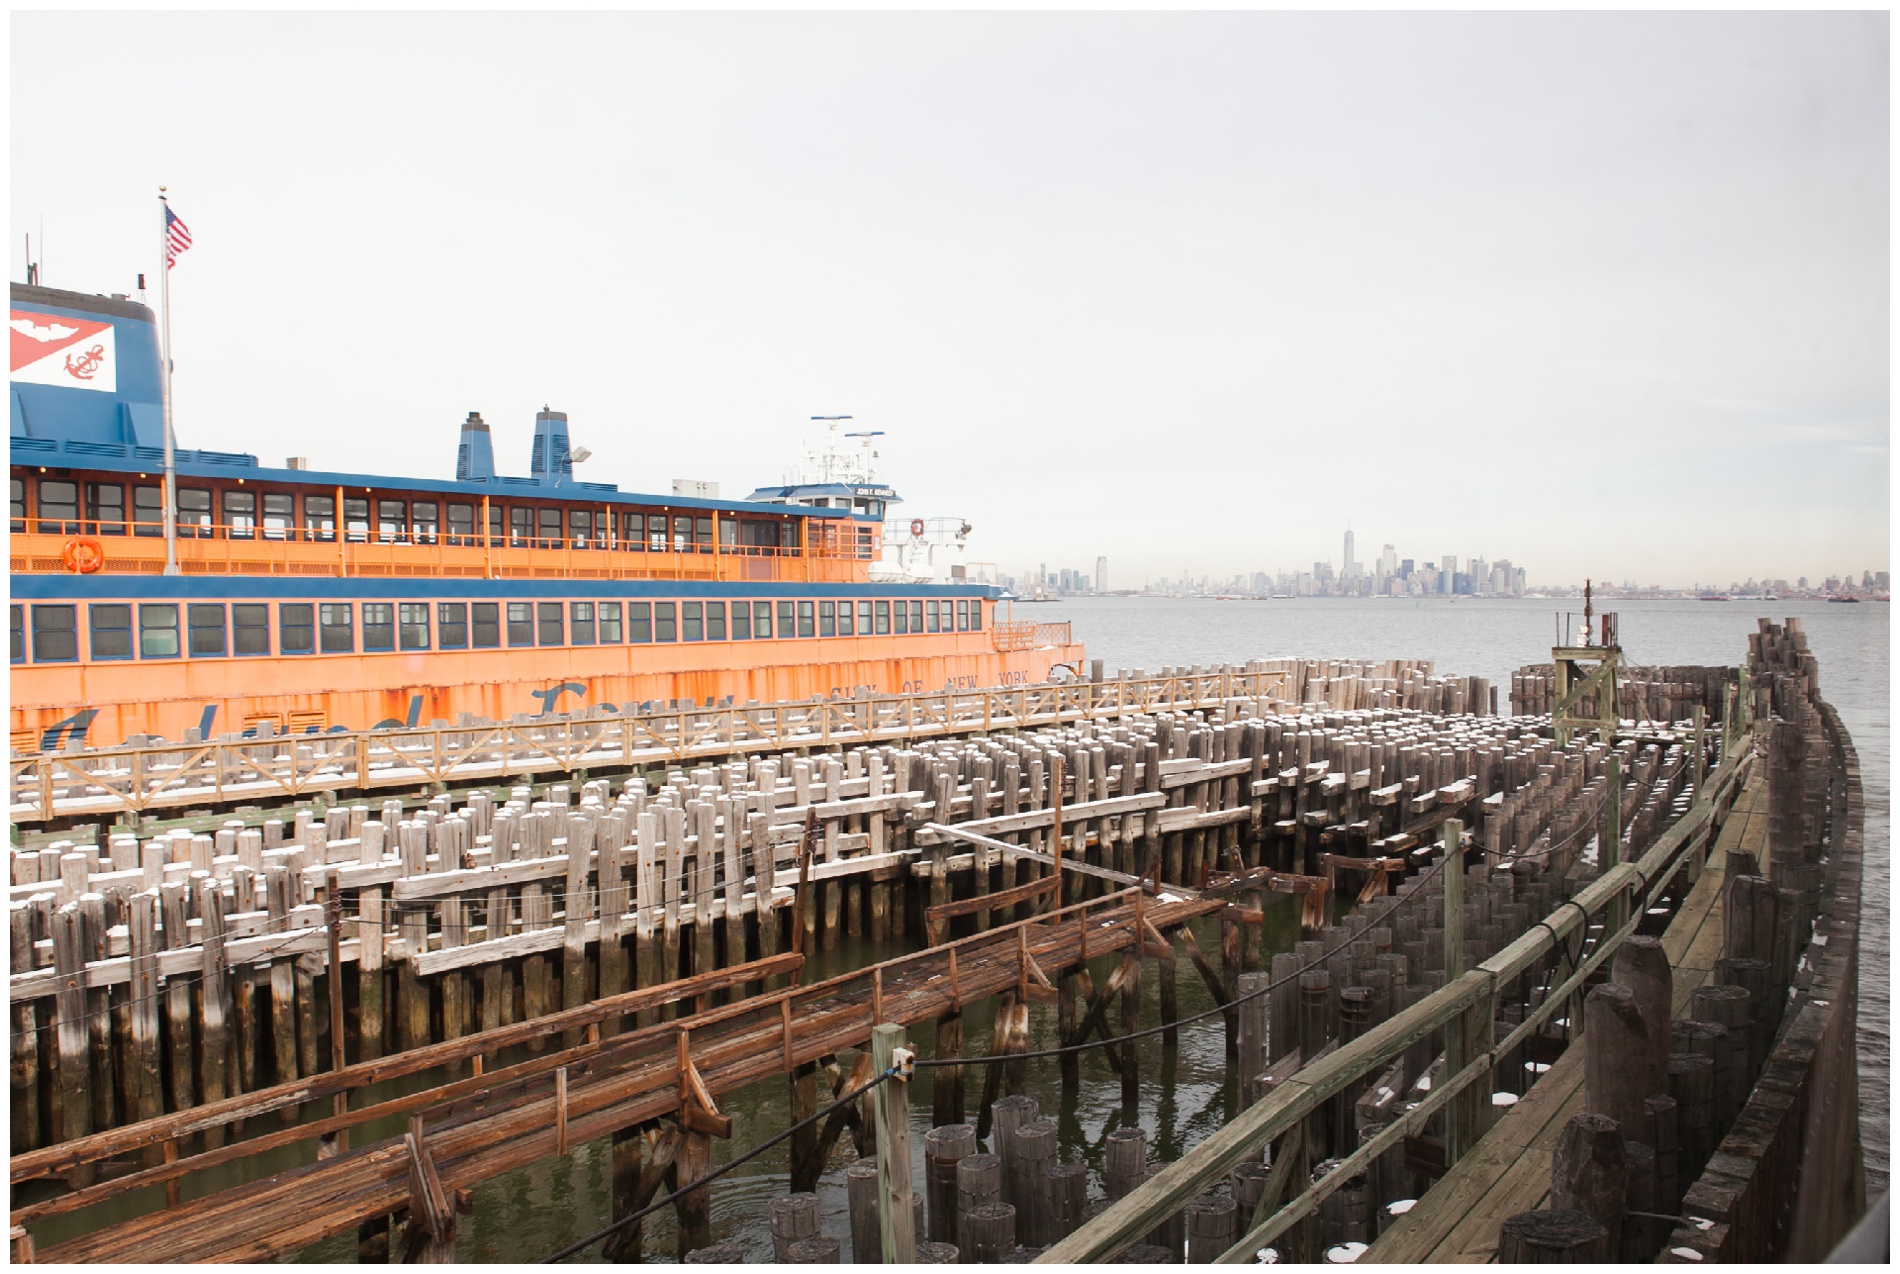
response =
{"points": [[474, 1130], [1508, 1170]]}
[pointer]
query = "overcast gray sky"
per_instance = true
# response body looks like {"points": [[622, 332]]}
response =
{"points": [[1603, 294]]}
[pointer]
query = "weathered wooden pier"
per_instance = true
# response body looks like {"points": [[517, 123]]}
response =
{"points": [[1662, 1067], [548, 963], [63, 781]]}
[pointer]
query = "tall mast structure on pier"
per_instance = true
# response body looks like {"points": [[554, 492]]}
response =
{"points": [[1585, 693]]}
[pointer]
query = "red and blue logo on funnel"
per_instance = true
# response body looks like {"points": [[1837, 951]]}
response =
{"points": [[72, 353]]}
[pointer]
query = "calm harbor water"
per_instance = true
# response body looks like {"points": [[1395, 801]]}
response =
{"points": [[1187, 1095]]}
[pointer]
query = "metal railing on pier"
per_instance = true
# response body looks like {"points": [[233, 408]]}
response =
{"points": [[212, 549]]}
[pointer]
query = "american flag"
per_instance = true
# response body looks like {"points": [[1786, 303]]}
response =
{"points": [[177, 238]]}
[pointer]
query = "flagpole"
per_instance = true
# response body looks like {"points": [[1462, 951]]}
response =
{"points": [[165, 382]]}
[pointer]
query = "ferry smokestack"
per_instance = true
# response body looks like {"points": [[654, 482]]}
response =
{"points": [[475, 457]]}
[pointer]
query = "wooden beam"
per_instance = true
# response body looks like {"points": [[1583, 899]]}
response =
{"points": [[1067, 864], [983, 902]]}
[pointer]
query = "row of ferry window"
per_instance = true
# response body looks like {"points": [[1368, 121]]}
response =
{"points": [[58, 511], [306, 628]]}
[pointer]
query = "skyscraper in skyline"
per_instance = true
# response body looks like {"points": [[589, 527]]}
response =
{"points": [[1101, 575], [1348, 568]]}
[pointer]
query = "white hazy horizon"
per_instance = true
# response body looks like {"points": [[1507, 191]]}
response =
{"points": [[1603, 294]]}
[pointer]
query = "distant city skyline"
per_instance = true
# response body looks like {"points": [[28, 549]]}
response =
{"points": [[1392, 575], [1608, 292]]}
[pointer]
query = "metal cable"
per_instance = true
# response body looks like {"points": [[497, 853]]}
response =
{"points": [[582, 1245]]}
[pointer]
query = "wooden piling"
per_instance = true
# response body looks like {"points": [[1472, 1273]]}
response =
{"points": [[791, 1217], [1130, 1023], [1066, 1192], [1007, 1116], [694, 1208], [214, 998], [1617, 1046], [946, 1082], [537, 978], [576, 911], [1590, 1172], [1211, 1231], [1125, 1161], [979, 1184], [75, 1099], [991, 1228], [803, 1082], [145, 1098], [820, 1249], [1692, 1085], [1642, 965], [1565, 1237], [1033, 1154], [944, 1147], [1728, 1007]]}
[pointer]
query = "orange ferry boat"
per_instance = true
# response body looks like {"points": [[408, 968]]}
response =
{"points": [[307, 601]]}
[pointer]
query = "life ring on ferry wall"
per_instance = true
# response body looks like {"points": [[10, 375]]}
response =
{"points": [[83, 554], [917, 528]]}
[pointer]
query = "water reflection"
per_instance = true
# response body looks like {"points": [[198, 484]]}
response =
{"points": [[1186, 1094]]}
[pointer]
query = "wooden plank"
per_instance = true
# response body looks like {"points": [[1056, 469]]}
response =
{"points": [[1556, 1095], [1068, 864], [1188, 818], [1413, 1237], [984, 902], [1521, 1187], [1035, 820]]}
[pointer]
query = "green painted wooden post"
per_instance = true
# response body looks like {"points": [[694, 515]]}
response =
{"points": [[893, 1149], [1457, 1042], [1610, 842]]}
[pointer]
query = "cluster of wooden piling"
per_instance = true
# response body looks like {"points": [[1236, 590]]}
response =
{"points": [[1660, 693], [201, 956], [1661, 1095], [1787, 1180], [1352, 684], [1391, 952], [1006, 1197], [147, 773]]}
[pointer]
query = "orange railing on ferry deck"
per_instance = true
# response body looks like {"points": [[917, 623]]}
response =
{"points": [[1028, 634], [830, 556]]}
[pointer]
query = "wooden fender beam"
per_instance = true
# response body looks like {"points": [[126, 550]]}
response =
{"points": [[698, 1111]]}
